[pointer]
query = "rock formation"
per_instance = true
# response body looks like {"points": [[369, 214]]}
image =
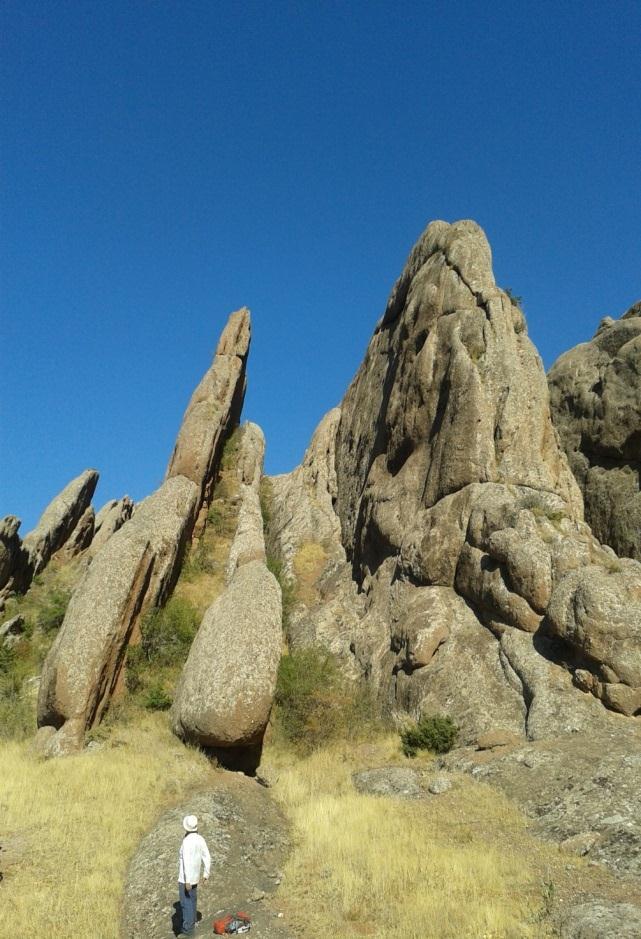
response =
{"points": [[59, 520], [109, 519], [472, 583], [225, 693], [135, 568], [15, 569], [595, 394], [213, 412]]}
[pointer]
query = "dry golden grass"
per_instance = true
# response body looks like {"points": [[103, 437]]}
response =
{"points": [[73, 824], [461, 865], [308, 565]]}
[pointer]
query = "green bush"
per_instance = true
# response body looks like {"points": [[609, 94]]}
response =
{"points": [[315, 702], [156, 698], [514, 298], [436, 733], [7, 659], [167, 632], [52, 610]]}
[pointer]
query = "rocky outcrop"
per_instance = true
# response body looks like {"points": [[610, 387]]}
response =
{"points": [[213, 412], [478, 589], [15, 570], [302, 502], [81, 537], [135, 570], [137, 564], [59, 520], [595, 394], [225, 693], [109, 519]]}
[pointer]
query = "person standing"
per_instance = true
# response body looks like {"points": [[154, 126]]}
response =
{"points": [[193, 853]]}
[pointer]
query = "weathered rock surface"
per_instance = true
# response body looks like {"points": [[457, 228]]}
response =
{"points": [[59, 520], [396, 781], [249, 541], [109, 519], [302, 504], [11, 631], [135, 570], [225, 693], [80, 538], [599, 919], [595, 395], [574, 784], [213, 412], [15, 570]]}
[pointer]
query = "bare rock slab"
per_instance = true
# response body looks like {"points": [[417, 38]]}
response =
{"points": [[59, 519], [135, 570], [213, 411], [248, 841]]}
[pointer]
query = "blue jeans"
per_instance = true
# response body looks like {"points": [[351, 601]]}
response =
{"points": [[188, 906]]}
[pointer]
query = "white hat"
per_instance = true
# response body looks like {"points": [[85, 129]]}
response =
{"points": [[190, 823]]}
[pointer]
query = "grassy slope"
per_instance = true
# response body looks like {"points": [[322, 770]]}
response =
{"points": [[70, 826]]}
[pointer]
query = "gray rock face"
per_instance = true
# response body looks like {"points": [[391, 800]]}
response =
{"points": [[303, 500], [109, 519], [213, 412], [59, 520], [249, 542], [226, 690], [393, 781], [573, 784], [135, 570], [600, 919], [80, 538], [595, 395]]}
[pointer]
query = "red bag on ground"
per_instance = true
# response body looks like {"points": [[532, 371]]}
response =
{"points": [[227, 925]]}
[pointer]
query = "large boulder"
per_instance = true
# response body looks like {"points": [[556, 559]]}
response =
{"points": [[59, 520], [134, 571], [213, 412], [225, 693], [595, 395]]}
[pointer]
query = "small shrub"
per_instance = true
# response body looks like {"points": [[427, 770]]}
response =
{"points": [[316, 703], [156, 698], [513, 298], [167, 632], [436, 733], [7, 659], [52, 610]]}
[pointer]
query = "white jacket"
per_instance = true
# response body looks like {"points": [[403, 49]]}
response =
{"points": [[193, 851]]}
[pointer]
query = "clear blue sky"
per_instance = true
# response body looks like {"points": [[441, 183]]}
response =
{"points": [[168, 162]]}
